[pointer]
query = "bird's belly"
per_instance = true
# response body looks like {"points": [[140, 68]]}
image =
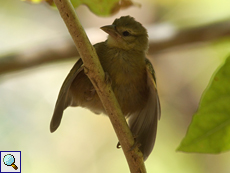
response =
{"points": [[131, 94], [131, 98]]}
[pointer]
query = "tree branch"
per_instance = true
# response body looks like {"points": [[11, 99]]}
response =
{"points": [[96, 75], [38, 55], [205, 33], [53, 52]]}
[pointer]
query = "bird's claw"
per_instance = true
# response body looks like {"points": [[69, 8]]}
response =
{"points": [[86, 70], [136, 144], [108, 79], [118, 145]]}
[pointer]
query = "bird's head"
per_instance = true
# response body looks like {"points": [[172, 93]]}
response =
{"points": [[127, 34]]}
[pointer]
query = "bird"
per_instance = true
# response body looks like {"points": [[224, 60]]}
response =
{"points": [[133, 80]]}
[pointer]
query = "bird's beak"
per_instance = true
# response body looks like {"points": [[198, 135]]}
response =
{"points": [[111, 30]]}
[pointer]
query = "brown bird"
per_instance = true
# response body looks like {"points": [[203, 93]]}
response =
{"points": [[123, 58]]}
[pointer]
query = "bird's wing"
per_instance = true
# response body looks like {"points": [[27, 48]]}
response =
{"points": [[143, 123], [150, 69], [152, 80], [64, 99]]}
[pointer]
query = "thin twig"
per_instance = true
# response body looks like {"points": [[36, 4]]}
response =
{"points": [[104, 90]]}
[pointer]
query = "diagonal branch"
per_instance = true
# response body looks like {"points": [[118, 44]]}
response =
{"points": [[97, 77]]}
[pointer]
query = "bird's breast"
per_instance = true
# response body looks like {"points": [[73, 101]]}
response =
{"points": [[129, 84], [127, 72]]}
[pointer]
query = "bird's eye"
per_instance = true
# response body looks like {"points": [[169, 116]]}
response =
{"points": [[125, 33]]}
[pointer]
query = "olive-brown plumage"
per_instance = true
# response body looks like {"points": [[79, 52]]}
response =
{"points": [[122, 57]]}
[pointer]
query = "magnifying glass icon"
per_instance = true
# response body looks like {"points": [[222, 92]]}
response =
{"points": [[9, 160]]}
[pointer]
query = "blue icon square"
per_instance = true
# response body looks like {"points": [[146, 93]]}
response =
{"points": [[10, 161]]}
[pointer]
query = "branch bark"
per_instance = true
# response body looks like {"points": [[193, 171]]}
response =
{"points": [[52, 53], [96, 75]]}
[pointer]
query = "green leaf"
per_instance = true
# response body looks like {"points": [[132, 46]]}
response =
{"points": [[98, 7], [209, 131]]}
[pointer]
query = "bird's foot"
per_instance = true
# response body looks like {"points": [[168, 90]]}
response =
{"points": [[136, 144], [86, 70], [108, 79], [118, 145]]}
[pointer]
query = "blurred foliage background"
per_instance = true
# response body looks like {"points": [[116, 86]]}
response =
{"points": [[86, 142]]}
